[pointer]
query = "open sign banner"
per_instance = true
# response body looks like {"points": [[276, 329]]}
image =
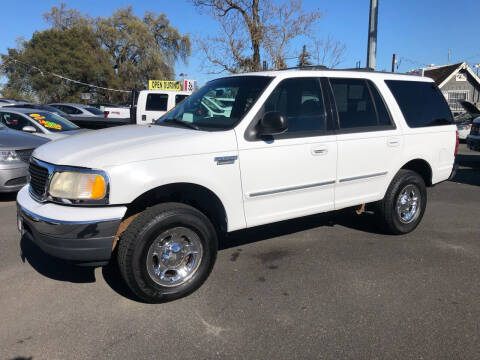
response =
{"points": [[164, 85]]}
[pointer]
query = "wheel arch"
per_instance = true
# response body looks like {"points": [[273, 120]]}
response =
{"points": [[421, 167], [197, 196]]}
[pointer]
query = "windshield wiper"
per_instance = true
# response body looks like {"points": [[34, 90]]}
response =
{"points": [[180, 122]]}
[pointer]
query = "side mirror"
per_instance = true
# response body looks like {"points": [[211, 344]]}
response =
{"points": [[29, 129], [272, 123]]}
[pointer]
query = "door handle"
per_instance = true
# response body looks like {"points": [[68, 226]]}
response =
{"points": [[144, 117], [393, 141], [319, 150]]}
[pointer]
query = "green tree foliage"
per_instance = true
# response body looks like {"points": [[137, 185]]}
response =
{"points": [[74, 53], [141, 49], [304, 58], [120, 52]]}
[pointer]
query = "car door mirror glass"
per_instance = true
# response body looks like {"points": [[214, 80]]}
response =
{"points": [[272, 123], [29, 129]]}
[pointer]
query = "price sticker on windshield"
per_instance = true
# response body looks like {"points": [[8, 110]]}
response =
{"points": [[45, 123]]}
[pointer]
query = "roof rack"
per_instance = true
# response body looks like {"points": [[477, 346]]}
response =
{"points": [[307, 67]]}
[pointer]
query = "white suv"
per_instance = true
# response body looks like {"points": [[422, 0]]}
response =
{"points": [[293, 143]]}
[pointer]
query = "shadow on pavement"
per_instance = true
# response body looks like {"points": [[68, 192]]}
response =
{"points": [[51, 267], [366, 222], [468, 171], [5, 197], [58, 269], [111, 275]]}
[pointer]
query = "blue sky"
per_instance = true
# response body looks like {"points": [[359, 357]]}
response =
{"points": [[420, 32]]}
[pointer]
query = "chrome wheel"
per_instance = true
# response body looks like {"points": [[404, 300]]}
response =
{"points": [[408, 204], [174, 256]]}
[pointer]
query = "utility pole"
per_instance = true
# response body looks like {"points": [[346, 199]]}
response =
{"points": [[394, 60], [372, 35]]}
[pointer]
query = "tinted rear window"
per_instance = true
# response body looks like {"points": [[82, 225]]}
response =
{"points": [[422, 103], [157, 102], [94, 111]]}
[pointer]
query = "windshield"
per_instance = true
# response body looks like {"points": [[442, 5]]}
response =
{"points": [[52, 122], [220, 104]]}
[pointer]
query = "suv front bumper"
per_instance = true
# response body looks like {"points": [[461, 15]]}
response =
{"points": [[83, 235]]}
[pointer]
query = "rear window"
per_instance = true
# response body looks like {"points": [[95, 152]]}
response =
{"points": [[94, 111], [157, 102], [422, 103]]}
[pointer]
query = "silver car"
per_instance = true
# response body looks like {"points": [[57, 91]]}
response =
{"points": [[15, 150], [78, 110], [38, 122]]}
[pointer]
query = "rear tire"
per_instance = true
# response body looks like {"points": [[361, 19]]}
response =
{"points": [[404, 204], [167, 252]]}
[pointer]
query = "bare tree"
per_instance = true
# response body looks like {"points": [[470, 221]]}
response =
{"points": [[329, 52], [287, 21], [246, 14], [251, 29], [61, 18]]}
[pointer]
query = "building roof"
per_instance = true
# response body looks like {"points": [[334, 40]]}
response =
{"points": [[441, 73]]}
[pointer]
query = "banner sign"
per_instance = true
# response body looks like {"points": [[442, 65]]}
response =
{"points": [[164, 85]]}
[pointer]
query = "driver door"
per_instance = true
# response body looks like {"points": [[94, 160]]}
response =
{"points": [[292, 174]]}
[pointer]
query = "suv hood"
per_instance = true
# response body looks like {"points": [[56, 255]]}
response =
{"points": [[131, 143]]}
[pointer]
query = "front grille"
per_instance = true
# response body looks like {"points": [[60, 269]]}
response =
{"points": [[475, 129], [38, 179], [24, 155]]}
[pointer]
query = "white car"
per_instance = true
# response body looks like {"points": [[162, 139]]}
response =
{"points": [[295, 143], [463, 130], [38, 122]]}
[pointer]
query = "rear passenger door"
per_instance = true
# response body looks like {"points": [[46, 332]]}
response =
{"points": [[291, 174], [367, 141]]}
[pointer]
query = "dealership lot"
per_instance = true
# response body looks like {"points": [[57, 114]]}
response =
{"points": [[325, 286]]}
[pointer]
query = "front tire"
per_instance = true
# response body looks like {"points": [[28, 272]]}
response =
{"points": [[404, 204], [167, 252]]}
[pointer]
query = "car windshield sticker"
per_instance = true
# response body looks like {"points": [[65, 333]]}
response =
{"points": [[48, 124]]}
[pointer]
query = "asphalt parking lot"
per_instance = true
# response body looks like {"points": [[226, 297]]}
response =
{"points": [[328, 286]]}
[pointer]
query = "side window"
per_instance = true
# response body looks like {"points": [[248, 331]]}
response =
{"points": [[355, 106], [300, 100], [157, 102], [422, 103], [179, 98], [70, 110], [14, 121]]}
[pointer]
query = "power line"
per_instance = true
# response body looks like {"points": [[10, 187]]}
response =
{"points": [[11, 58]]}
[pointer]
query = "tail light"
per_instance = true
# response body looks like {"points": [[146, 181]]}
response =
{"points": [[105, 114], [456, 143]]}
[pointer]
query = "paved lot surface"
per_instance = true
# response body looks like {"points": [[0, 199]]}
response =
{"points": [[328, 286]]}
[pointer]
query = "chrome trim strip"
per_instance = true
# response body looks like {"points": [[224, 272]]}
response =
{"points": [[38, 218], [292, 188], [363, 176], [225, 160]]}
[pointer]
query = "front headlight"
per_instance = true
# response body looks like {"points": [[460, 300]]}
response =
{"points": [[8, 155], [74, 185]]}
